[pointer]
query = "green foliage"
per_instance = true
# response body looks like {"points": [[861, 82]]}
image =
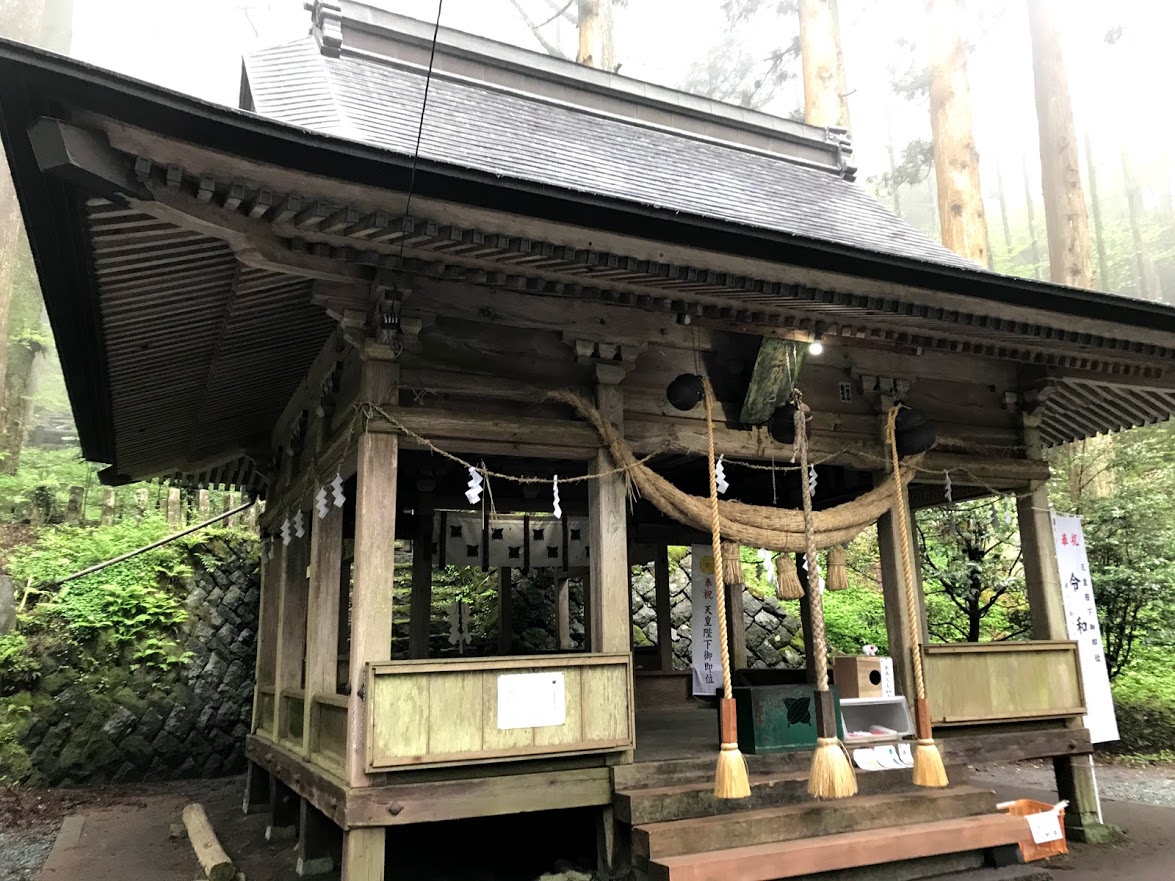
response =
{"points": [[44, 479], [853, 618], [18, 669], [1144, 698]]}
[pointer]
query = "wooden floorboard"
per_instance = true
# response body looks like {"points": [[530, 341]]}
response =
{"points": [[765, 862]]}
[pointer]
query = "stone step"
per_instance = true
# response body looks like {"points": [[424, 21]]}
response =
{"points": [[851, 850], [807, 820], [659, 804]]}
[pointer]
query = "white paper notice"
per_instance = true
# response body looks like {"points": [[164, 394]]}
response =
{"points": [[1082, 623], [707, 650], [531, 700], [1045, 827]]}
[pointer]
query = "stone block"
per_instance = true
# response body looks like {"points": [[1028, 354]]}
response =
{"points": [[120, 723], [150, 724]]}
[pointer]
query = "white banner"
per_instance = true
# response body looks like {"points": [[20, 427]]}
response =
{"points": [[707, 650], [1082, 623]]}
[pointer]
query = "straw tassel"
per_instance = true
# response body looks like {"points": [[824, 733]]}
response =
{"points": [[928, 765], [732, 561], [787, 581], [832, 774], [838, 570], [730, 777]]}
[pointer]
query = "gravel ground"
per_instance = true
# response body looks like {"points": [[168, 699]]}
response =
{"points": [[1143, 784], [23, 851]]}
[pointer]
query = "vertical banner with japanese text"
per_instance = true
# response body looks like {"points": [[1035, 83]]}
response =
{"points": [[1081, 621], [704, 633]]}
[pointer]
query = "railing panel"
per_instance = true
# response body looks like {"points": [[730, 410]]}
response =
{"points": [[265, 700], [969, 683], [328, 737], [462, 711]]}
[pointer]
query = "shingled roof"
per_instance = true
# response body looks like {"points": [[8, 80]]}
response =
{"points": [[570, 143]]}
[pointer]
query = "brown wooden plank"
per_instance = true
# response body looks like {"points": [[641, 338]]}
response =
{"points": [[322, 619], [829, 853], [478, 797], [608, 517], [1014, 746], [322, 789], [291, 625]]}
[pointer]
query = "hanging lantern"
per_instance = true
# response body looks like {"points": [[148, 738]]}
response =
{"points": [[913, 432], [685, 392]]}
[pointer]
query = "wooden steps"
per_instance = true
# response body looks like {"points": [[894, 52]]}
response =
{"points": [[791, 859], [808, 819], [660, 804]]}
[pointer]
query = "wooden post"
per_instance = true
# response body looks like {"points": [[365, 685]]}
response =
{"points": [[505, 611], [664, 608], [316, 834], [175, 507], [736, 631], [1041, 578], [256, 797], [271, 581], [363, 854], [322, 619], [563, 613], [420, 615], [588, 628], [375, 558], [108, 500], [806, 621], [283, 812], [897, 621], [291, 627], [610, 604]]}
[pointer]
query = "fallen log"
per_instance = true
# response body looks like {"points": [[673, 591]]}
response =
{"points": [[213, 860]]}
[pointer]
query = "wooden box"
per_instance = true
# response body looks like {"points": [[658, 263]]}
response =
{"points": [[863, 676], [774, 718]]}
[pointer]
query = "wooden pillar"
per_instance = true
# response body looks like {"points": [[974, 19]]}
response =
{"points": [[271, 579], [322, 618], [316, 834], [736, 630], [363, 854], [588, 628], [256, 797], [563, 613], [420, 615], [1041, 578], [806, 621], [664, 608], [375, 557], [610, 604], [283, 812], [505, 611], [291, 628], [897, 621]]}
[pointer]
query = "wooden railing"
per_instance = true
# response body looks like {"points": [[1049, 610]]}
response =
{"points": [[292, 718], [328, 730], [265, 709], [463, 711], [976, 683]]}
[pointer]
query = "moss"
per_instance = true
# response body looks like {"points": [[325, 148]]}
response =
{"points": [[638, 637]]}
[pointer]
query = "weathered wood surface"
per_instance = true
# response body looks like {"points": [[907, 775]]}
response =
{"points": [[363, 854], [1041, 578], [776, 367], [1004, 681], [293, 593], [1012, 746], [213, 860], [322, 620], [608, 519], [326, 791], [434, 713]]}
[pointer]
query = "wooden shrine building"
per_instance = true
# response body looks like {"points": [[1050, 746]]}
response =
{"points": [[250, 298]]}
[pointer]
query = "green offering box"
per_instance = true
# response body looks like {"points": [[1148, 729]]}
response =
{"points": [[775, 718]]}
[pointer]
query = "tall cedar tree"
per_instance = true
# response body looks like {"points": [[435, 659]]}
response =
{"points": [[825, 93], [1066, 220], [956, 161]]}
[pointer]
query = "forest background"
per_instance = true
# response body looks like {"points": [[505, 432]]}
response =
{"points": [[1023, 134]]}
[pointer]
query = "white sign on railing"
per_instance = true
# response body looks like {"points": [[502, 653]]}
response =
{"points": [[531, 700], [1083, 627], [704, 632]]}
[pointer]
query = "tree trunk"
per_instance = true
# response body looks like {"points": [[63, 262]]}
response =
{"points": [[1103, 269], [1147, 285], [999, 182], [1066, 220], [956, 161], [596, 48], [825, 93], [1030, 207]]}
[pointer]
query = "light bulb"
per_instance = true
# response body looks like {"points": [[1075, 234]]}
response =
{"points": [[815, 347]]}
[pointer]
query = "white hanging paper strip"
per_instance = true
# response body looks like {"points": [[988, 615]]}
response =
{"points": [[269, 548], [812, 480], [286, 531], [720, 477], [321, 504], [473, 491], [947, 486], [299, 526], [556, 507], [336, 486]]}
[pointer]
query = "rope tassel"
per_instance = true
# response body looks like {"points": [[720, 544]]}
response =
{"points": [[928, 766], [787, 581], [838, 569], [730, 777], [832, 773]]}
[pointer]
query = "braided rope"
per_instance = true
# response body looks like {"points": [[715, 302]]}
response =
{"points": [[815, 596], [716, 542], [912, 615]]}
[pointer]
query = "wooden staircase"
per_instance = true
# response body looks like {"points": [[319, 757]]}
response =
{"points": [[681, 832]]}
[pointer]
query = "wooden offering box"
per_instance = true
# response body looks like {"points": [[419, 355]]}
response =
{"points": [[774, 718]]}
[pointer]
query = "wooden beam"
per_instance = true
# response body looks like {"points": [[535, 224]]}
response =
{"points": [[322, 620], [420, 607], [375, 527], [609, 540], [664, 608], [1041, 578], [291, 627], [776, 367]]}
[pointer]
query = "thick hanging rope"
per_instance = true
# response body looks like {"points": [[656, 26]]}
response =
{"points": [[730, 777], [776, 529], [928, 766], [832, 772]]}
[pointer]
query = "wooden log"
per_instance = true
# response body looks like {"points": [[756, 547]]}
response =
{"points": [[213, 860]]}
